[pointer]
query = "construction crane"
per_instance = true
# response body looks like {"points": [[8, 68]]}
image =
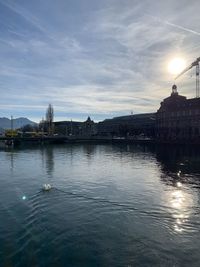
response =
{"points": [[194, 64]]}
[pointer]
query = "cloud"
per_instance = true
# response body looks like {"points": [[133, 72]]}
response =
{"points": [[25, 14], [111, 61], [175, 25]]}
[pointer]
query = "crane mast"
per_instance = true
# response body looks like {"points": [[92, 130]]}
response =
{"points": [[197, 80], [194, 64]]}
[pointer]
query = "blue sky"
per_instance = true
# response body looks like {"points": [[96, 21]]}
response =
{"points": [[89, 57]]}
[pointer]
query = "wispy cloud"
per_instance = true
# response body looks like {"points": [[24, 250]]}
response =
{"points": [[108, 59], [175, 25], [25, 14]]}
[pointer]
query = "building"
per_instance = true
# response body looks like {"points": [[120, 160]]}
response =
{"points": [[178, 119], [76, 128], [88, 128], [67, 127], [131, 125]]}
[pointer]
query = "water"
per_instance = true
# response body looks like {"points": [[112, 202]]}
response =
{"points": [[117, 206]]}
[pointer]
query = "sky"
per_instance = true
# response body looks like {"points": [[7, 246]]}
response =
{"points": [[93, 58]]}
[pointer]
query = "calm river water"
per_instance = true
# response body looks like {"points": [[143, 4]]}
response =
{"points": [[111, 205]]}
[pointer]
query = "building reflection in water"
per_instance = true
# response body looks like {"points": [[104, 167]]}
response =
{"points": [[180, 168], [176, 158], [89, 151], [49, 159], [180, 172]]}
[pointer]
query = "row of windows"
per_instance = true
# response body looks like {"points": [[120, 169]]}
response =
{"points": [[179, 113]]}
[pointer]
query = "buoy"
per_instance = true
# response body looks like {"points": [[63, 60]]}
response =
{"points": [[46, 187]]}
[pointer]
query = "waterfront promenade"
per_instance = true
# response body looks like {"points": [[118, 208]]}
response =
{"points": [[92, 139], [72, 139]]}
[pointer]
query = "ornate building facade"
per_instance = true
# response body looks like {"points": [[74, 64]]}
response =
{"points": [[178, 119]]}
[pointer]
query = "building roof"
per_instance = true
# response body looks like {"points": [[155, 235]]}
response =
{"points": [[131, 117], [176, 101]]}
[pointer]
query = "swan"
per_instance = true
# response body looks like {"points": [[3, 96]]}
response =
{"points": [[46, 187]]}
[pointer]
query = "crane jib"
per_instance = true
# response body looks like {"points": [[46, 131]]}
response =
{"points": [[194, 64]]}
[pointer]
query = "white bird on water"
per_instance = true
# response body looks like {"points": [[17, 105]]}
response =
{"points": [[179, 173], [46, 187]]}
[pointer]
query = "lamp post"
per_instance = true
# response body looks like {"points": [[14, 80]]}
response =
{"points": [[11, 121]]}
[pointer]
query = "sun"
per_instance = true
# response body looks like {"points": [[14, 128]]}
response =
{"points": [[176, 65]]}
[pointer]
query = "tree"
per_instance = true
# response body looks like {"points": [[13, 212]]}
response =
{"points": [[42, 126], [49, 119]]}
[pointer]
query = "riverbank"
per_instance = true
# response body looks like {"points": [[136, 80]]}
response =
{"points": [[16, 141]]}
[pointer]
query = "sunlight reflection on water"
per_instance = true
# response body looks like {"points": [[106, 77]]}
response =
{"points": [[181, 206]]}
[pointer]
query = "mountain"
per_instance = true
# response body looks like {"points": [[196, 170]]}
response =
{"points": [[5, 123]]}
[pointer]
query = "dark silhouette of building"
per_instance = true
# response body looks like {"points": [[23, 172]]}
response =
{"points": [[68, 127], [178, 119], [89, 127], [76, 128], [126, 126], [131, 125]]}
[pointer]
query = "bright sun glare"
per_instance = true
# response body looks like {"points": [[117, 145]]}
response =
{"points": [[176, 65]]}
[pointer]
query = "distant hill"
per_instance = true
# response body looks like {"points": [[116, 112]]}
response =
{"points": [[5, 123]]}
